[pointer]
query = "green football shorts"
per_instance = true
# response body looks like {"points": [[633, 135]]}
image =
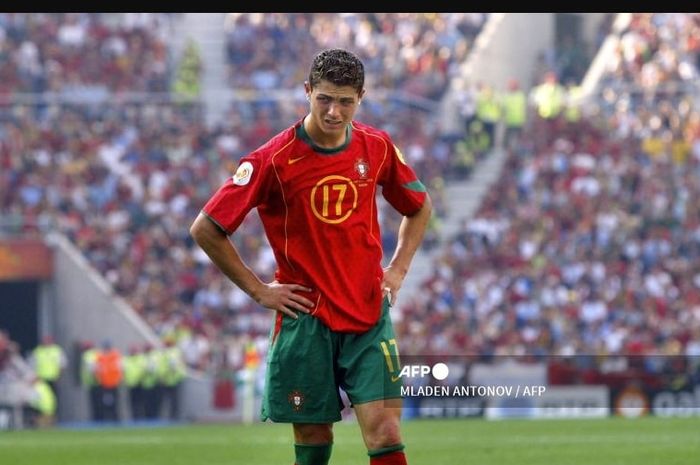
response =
{"points": [[307, 363]]}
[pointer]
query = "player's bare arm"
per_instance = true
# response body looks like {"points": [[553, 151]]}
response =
{"points": [[275, 296], [410, 236]]}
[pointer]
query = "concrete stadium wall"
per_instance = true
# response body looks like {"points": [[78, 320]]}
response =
{"points": [[509, 45], [80, 305]]}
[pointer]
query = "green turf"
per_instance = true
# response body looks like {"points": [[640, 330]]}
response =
{"points": [[615, 441]]}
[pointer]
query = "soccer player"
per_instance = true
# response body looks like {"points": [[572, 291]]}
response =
{"points": [[314, 185]]}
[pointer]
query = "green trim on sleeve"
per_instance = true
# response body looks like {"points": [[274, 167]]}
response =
{"points": [[416, 186]]}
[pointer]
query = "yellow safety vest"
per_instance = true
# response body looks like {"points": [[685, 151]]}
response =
{"points": [[48, 362], [151, 372], [134, 369], [87, 373], [515, 109], [45, 399], [573, 105], [487, 108], [172, 366], [549, 99]]}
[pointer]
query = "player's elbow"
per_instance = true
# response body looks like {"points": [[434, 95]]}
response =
{"points": [[196, 229], [203, 230], [427, 205]]}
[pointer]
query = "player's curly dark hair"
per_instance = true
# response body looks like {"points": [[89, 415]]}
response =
{"points": [[339, 67]]}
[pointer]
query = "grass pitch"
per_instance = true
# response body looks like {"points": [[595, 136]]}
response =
{"points": [[613, 441]]}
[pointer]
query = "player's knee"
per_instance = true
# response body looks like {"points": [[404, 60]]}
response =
{"points": [[312, 433], [386, 433]]}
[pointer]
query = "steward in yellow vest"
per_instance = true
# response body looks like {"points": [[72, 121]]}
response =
{"points": [[172, 370], [88, 360], [549, 97], [134, 372], [49, 360], [488, 111], [43, 402], [514, 111]]}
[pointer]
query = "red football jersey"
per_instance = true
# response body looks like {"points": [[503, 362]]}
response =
{"points": [[319, 210]]}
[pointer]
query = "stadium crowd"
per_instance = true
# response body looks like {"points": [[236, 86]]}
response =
{"points": [[589, 242], [82, 53], [412, 53]]}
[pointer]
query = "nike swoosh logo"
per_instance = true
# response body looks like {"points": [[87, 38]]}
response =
{"points": [[291, 161]]}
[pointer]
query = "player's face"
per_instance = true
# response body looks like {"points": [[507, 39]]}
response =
{"points": [[332, 109]]}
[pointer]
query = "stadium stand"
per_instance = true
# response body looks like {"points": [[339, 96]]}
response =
{"points": [[587, 244]]}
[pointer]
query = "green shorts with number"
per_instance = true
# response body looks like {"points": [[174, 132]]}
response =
{"points": [[308, 363]]}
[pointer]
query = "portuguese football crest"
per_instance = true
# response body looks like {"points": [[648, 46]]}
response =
{"points": [[296, 399], [362, 168]]}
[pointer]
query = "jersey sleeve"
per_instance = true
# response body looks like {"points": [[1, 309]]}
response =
{"points": [[238, 195], [400, 185]]}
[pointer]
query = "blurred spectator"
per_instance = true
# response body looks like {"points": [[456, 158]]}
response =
{"points": [[514, 114], [548, 97], [109, 372], [134, 371], [49, 361], [41, 404], [186, 85], [172, 372], [149, 383], [488, 112], [88, 380]]}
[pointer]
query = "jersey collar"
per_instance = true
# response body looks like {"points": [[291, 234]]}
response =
{"points": [[303, 135]]}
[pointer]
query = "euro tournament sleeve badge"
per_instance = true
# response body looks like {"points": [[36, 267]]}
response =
{"points": [[296, 399], [243, 174], [399, 155]]}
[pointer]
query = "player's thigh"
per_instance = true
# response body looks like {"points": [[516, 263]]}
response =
{"points": [[313, 433], [368, 363]]}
